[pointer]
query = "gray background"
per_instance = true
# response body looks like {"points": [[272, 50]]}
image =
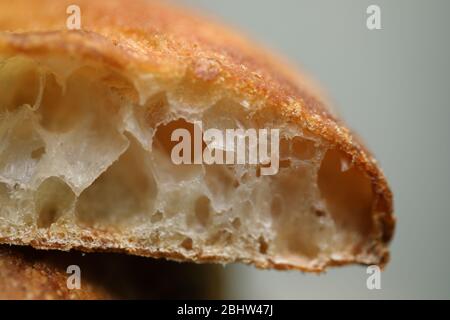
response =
{"points": [[393, 87]]}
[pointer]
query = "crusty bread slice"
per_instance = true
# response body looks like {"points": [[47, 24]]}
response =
{"points": [[85, 139]]}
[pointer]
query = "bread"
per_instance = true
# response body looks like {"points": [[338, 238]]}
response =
{"points": [[87, 118], [26, 273]]}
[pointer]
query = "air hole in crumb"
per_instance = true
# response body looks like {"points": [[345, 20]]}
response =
{"points": [[53, 199], [61, 111], [348, 195], [319, 212], [236, 223], [122, 194], [156, 217], [19, 83], [38, 153], [202, 210], [47, 216], [187, 244], [263, 245], [163, 137], [163, 147]]}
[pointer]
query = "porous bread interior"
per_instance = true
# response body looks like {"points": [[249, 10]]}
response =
{"points": [[85, 148]]}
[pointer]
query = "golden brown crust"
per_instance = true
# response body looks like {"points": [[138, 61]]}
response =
{"points": [[33, 275], [26, 273], [191, 52]]}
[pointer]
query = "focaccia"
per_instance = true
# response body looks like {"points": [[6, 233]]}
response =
{"points": [[87, 122]]}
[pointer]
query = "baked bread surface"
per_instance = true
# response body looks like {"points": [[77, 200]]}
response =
{"points": [[159, 56], [27, 273]]}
